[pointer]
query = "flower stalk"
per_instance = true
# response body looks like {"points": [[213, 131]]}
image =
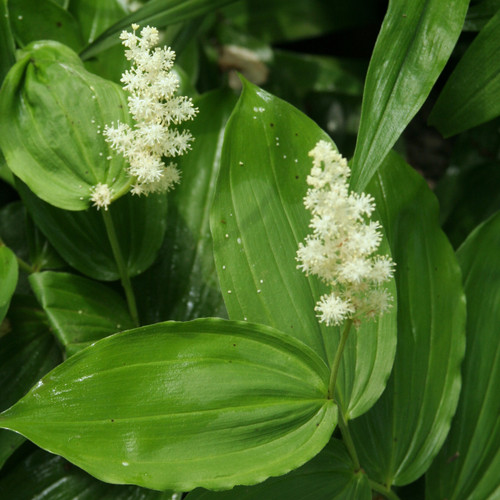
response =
{"points": [[122, 268]]}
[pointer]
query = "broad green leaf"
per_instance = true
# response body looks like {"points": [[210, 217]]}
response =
{"points": [[34, 20], [80, 310], [8, 278], [51, 111], [471, 95], [47, 477], [398, 438], [329, 475], [159, 13], [182, 284], [468, 464], [7, 45], [81, 238], [27, 352], [282, 20], [415, 41], [480, 13], [208, 403], [257, 222]]}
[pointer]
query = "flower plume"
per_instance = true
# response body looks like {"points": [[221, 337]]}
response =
{"points": [[155, 110], [340, 248]]}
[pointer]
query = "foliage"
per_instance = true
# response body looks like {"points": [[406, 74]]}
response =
{"points": [[168, 346]]}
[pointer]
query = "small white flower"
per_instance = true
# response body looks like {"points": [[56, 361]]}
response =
{"points": [[101, 195], [155, 109], [343, 240]]}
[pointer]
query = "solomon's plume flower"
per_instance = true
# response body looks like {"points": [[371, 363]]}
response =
{"points": [[340, 248], [155, 109]]}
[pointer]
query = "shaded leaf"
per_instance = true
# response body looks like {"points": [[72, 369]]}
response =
{"points": [[27, 352], [33, 20], [329, 475], [468, 464], [208, 403], [182, 284], [81, 238], [471, 95], [480, 13], [80, 311], [414, 43], [398, 438], [48, 477], [7, 45], [281, 20], [258, 220]]}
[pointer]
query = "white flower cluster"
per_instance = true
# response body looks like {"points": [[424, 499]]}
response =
{"points": [[340, 247], [155, 108], [101, 195]]}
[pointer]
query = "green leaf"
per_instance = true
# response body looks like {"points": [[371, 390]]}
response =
{"points": [[398, 438], [208, 403], [329, 475], [27, 352], [81, 238], [159, 13], [182, 284], [282, 20], [468, 464], [48, 477], [51, 109], [8, 278], [33, 20], [7, 45], [471, 95], [80, 311], [258, 220], [415, 41]]}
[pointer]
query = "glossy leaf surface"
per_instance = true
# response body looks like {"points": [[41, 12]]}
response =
{"points": [[51, 109], [329, 475], [81, 238], [80, 310], [468, 464], [159, 13], [8, 278], [258, 220], [207, 403], [471, 95], [47, 477], [27, 352], [414, 43], [398, 438], [182, 284]]}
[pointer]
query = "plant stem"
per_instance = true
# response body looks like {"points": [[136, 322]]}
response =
{"points": [[380, 488], [122, 268], [338, 357], [349, 443]]}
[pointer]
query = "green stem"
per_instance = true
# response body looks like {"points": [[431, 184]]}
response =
{"points": [[122, 268], [349, 443], [24, 266], [338, 357], [380, 488]]}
